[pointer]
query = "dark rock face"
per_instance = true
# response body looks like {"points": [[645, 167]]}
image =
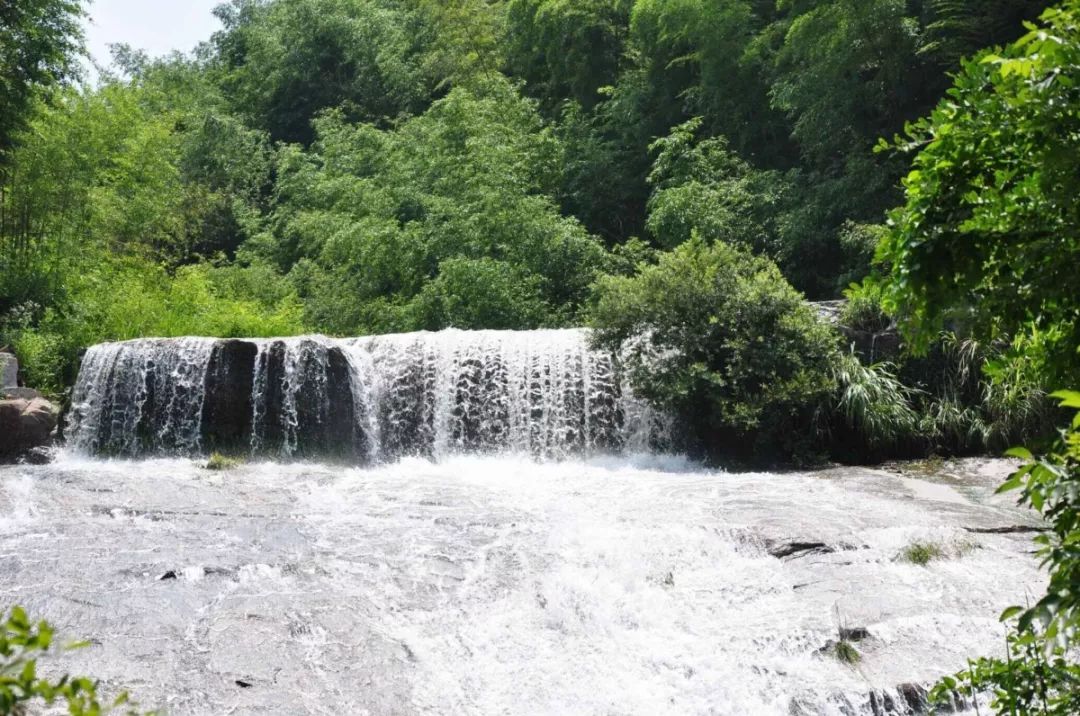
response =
{"points": [[227, 408], [38, 456], [305, 402], [854, 633], [25, 425], [873, 347]]}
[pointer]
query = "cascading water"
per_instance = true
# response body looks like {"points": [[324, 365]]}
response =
{"points": [[141, 396], [545, 393]]}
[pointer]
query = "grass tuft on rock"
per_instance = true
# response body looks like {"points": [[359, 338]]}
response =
{"points": [[219, 462], [846, 652], [922, 553]]}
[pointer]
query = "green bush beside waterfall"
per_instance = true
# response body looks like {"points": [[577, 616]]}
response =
{"points": [[716, 335]]}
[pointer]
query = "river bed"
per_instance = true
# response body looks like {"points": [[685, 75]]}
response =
{"points": [[503, 585]]}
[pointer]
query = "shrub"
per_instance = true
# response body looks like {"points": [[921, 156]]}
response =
{"points": [[863, 310], [874, 408], [723, 341], [21, 643]]}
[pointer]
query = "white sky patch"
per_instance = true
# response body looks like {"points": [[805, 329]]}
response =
{"points": [[156, 26]]}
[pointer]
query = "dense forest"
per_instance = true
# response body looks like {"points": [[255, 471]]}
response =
{"points": [[688, 170]]}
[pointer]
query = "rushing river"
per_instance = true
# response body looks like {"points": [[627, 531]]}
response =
{"points": [[499, 585]]}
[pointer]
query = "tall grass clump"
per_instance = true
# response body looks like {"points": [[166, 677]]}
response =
{"points": [[863, 310], [874, 408]]}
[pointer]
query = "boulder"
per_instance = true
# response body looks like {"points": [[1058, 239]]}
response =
{"points": [[38, 456], [9, 371], [25, 425]]}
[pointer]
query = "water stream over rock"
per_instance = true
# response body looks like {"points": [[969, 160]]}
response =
{"points": [[362, 400]]}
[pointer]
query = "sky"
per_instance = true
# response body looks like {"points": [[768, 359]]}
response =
{"points": [[157, 26]]}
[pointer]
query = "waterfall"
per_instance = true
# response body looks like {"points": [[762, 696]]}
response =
{"points": [[546, 393], [143, 396]]}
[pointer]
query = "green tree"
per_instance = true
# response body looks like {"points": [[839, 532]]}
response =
{"points": [[990, 233], [567, 49], [284, 62], [698, 59], [40, 41], [718, 336], [369, 217], [703, 188], [956, 29]]}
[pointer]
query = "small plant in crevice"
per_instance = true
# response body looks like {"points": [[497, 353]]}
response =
{"points": [[219, 462], [922, 553], [846, 652], [843, 648]]}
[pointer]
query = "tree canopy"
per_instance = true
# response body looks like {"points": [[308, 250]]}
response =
{"points": [[989, 236]]}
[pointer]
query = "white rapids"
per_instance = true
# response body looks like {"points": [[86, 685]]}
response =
{"points": [[501, 585]]}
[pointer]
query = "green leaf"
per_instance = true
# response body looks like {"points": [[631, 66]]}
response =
{"points": [[1067, 398], [1010, 613]]}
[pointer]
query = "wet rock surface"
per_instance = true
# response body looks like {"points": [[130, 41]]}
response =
{"points": [[227, 409], [497, 585]]}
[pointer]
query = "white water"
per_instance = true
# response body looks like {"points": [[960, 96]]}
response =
{"points": [[141, 396], [545, 392], [499, 585]]}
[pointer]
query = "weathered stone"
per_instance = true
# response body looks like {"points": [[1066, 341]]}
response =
{"points": [[227, 411], [854, 633], [10, 421], [916, 696], [797, 549], [38, 456], [9, 371], [24, 425], [19, 394]]}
